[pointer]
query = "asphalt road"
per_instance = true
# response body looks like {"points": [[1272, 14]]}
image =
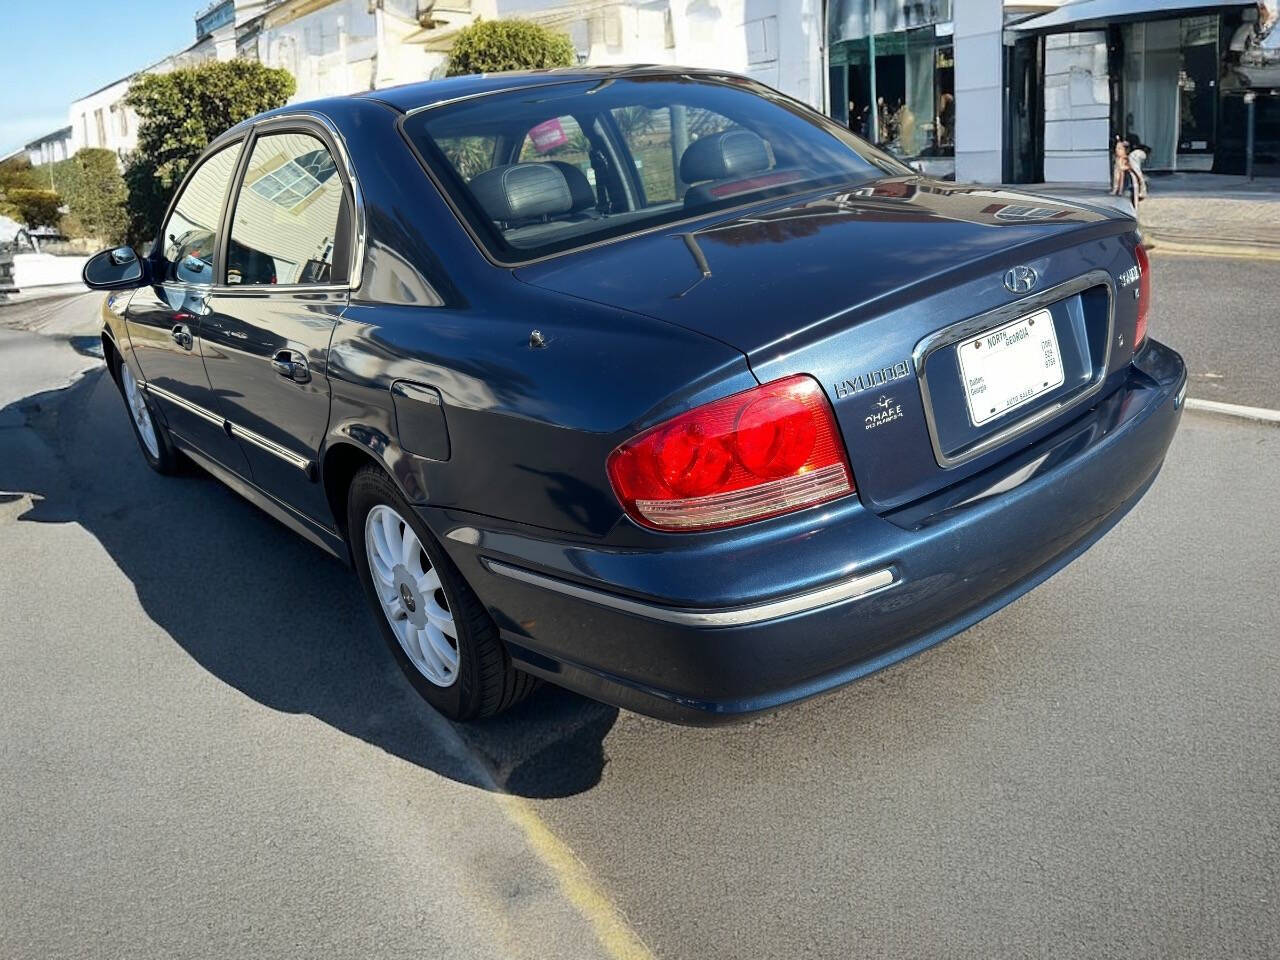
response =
{"points": [[1223, 315], [207, 753]]}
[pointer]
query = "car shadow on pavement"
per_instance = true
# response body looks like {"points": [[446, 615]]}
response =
{"points": [[261, 609]]}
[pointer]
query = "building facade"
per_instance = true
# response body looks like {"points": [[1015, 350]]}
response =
{"points": [[335, 47], [1184, 78], [979, 90]]}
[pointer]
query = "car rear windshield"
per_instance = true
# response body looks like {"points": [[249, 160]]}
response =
{"points": [[554, 167]]}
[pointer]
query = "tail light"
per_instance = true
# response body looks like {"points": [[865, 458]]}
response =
{"points": [[768, 450], [1144, 295]]}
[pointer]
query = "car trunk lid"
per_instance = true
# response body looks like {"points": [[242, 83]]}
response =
{"points": [[872, 290]]}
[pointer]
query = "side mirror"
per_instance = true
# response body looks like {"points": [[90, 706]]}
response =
{"points": [[116, 269]]}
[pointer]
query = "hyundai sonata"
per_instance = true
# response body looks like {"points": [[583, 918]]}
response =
{"points": [[650, 382]]}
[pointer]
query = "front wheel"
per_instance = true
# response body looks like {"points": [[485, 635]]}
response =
{"points": [[153, 439], [437, 629]]}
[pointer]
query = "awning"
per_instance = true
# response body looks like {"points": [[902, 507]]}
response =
{"points": [[1094, 13]]}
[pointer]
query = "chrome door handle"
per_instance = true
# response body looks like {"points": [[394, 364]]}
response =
{"points": [[181, 335], [291, 364]]}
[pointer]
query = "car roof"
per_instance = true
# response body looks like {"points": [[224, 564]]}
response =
{"points": [[412, 96], [426, 93]]}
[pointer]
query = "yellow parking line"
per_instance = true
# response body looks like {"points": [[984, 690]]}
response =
{"points": [[616, 937]]}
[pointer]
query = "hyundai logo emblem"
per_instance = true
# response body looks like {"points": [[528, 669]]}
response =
{"points": [[1021, 279]]}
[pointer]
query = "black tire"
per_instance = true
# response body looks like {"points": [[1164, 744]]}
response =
{"points": [[487, 683], [166, 460]]}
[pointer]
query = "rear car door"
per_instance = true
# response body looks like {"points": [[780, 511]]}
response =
{"points": [[268, 325], [165, 320]]}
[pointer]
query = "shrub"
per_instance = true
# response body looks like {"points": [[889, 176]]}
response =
{"points": [[93, 190], [492, 46], [16, 173], [36, 208]]}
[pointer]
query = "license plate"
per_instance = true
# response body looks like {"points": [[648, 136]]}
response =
{"points": [[1009, 366]]}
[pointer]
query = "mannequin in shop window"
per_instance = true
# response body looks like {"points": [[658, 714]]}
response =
{"points": [[1127, 160]]}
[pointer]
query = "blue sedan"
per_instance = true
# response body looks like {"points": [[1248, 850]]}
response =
{"points": [[650, 382]]}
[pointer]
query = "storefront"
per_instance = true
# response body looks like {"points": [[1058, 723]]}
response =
{"points": [[1181, 77], [892, 77]]}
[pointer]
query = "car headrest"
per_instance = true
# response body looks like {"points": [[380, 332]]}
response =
{"points": [[521, 191], [732, 153], [584, 195]]}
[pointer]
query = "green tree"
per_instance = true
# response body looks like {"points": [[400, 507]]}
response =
{"points": [[492, 46], [93, 190], [178, 114], [36, 208]]}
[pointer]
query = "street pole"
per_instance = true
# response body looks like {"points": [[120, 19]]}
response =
{"points": [[1249, 99], [873, 128], [679, 140]]}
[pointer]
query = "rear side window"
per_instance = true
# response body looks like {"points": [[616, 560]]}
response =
{"points": [[469, 155], [191, 233], [559, 138], [657, 138], [288, 217]]}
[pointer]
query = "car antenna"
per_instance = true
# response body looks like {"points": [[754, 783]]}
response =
{"points": [[699, 259]]}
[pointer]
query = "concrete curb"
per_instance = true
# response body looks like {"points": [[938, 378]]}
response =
{"points": [[1235, 410], [1241, 251]]}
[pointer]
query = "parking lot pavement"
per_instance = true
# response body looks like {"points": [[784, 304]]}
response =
{"points": [[206, 752], [1223, 315], [30, 364], [1091, 772]]}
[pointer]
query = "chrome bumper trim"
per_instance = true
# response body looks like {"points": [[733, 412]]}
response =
{"points": [[849, 589]]}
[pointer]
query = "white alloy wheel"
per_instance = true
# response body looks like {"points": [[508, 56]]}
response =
{"points": [[411, 595], [138, 410]]}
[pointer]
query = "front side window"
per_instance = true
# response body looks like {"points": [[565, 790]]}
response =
{"points": [[191, 234], [589, 161], [286, 224]]}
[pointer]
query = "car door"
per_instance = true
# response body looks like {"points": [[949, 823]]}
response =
{"points": [[267, 326], [164, 320]]}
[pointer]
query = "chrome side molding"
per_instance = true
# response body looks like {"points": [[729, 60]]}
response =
{"points": [[262, 443], [852, 588]]}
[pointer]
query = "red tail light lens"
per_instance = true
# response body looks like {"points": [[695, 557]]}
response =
{"points": [[759, 453], [1144, 295]]}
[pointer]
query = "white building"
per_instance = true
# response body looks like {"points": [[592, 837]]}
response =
{"points": [[779, 42], [335, 47], [50, 148], [101, 119]]}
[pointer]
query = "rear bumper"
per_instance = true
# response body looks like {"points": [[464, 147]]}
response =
{"points": [[706, 629]]}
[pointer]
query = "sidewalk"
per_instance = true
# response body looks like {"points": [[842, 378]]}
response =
{"points": [[29, 294], [1201, 213]]}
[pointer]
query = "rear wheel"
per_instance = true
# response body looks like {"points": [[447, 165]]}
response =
{"points": [[440, 634], [153, 439]]}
